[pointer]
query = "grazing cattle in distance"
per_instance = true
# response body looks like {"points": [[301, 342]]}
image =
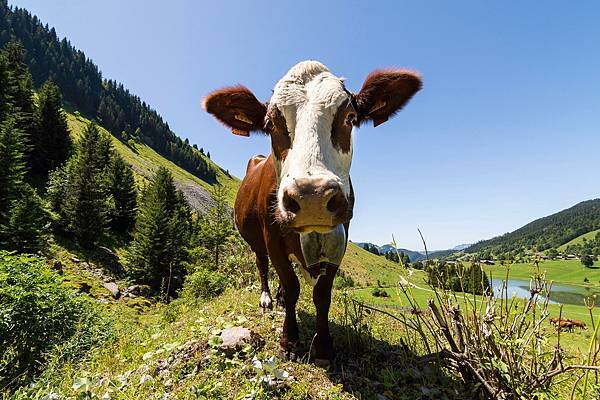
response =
{"points": [[569, 324], [295, 205]]}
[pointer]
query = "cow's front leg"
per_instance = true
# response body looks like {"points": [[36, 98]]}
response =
{"points": [[323, 344], [262, 264], [290, 287]]}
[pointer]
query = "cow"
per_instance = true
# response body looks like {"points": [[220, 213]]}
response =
{"points": [[569, 324], [294, 206]]}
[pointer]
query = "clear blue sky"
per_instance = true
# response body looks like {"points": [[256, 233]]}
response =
{"points": [[506, 129]]}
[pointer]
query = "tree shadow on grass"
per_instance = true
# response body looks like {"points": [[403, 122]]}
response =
{"points": [[102, 255], [370, 368]]}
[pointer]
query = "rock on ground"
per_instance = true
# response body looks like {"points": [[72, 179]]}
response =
{"points": [[234, 339], [113, 289]]}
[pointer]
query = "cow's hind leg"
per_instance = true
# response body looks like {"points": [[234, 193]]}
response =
{"points": [[279, 297], [262, 263], [323, 345]]}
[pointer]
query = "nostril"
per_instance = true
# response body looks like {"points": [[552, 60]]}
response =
{"points": [[336, 203], [290, 204]]}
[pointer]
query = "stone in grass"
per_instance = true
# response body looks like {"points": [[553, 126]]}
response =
{"points": [[113, 289], [235, 339]]}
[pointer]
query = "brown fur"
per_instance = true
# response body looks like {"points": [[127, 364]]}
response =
{"points": [[280, 137], [385, 92], [255, 218], [341, 131], [568, 324], [232, 105], [257, 215]]}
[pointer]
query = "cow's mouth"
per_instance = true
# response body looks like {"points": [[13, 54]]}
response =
{"points": [[313, 228]]}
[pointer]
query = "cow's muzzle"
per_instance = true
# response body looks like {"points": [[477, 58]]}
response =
{"points": [[314, 205]]}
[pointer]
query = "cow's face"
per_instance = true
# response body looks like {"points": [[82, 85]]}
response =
{"points": [[310, 118]]}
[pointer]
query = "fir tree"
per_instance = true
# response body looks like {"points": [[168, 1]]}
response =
{"points": [[27, 222], [122, 188], [51, 143], [155, 255], [4, 87], [12, 164], [216, 227], [85, 201], [20, 90]]}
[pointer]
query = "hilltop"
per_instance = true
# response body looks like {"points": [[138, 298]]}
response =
{"points": [[547, 232]]}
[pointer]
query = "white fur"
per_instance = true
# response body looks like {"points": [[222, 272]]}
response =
{"points": [[308, 97], [265, 300]]}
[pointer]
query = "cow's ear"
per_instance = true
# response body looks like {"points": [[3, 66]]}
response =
{"points": [[384, 93], [237, 108]]}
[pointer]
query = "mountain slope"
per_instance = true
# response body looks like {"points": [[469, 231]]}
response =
{"points": [[146, 160], [551, 231], [366, 268], [579, 239], [83, 87]]}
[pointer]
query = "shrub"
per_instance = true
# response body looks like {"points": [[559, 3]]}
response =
{"points": [[204, 284], [343, 281], [41, 319], [378, 292]]}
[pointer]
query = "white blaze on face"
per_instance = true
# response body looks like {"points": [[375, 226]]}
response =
{"points": [[309, 96]]}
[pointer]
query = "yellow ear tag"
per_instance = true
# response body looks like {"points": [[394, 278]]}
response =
{"points": [[242, 117], [240, 132]]}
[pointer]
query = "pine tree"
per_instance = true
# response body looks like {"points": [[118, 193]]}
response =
{"points": [[85, 202], [216, 227], [155, 256], [20, 90], [12, 164], [4, 87], [51, 143], [124, 194], [22, 217], [27, 222]]}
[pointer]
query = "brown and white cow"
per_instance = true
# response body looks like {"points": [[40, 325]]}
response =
{"points": [[295, 205]]}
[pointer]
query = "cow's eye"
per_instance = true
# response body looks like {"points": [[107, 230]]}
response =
{"points": [[351, 119], [268, 125]]}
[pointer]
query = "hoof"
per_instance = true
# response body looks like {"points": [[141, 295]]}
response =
{"points": [[287, 355], [266, 303], [289, 352], [280, 303]]}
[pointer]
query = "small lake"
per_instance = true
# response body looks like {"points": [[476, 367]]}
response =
{"points": [[560, 293]]}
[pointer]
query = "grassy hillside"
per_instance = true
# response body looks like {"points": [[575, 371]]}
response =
{"points": [[367, 268], [544, 233], [579, 239], [171, 351], [145, 161]]}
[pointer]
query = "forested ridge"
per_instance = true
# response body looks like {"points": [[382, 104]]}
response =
{"points": [[547, 232], [81, 82]]}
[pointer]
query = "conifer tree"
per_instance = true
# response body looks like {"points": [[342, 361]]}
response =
{"points": [[22, 217], [51, 142], [4, 87], [85, 201], [27, 222], [12, 164], [122, 188], [216, 227], [161, 233], [20, 89]]}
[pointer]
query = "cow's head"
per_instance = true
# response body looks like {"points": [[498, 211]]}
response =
{"points": [[310, 119]]}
